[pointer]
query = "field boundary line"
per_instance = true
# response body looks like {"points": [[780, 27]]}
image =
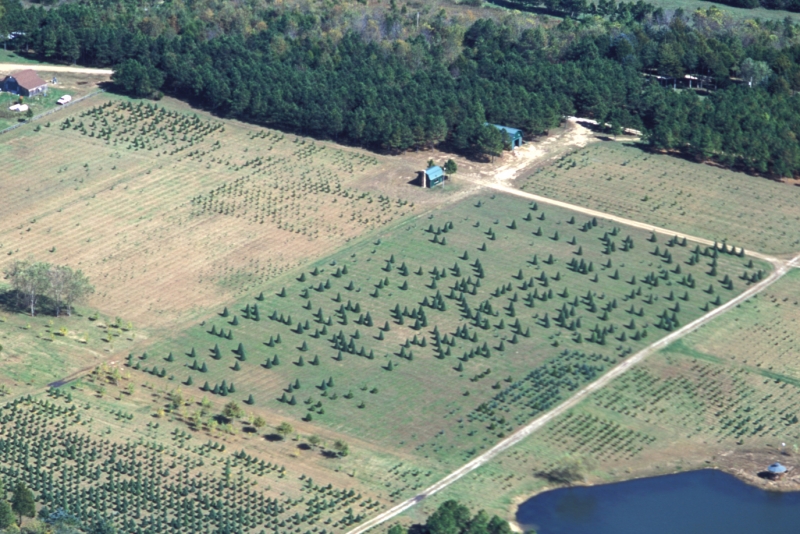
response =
{"points": [[46, 67], [51, 111], [781, 268], [609, 216]]}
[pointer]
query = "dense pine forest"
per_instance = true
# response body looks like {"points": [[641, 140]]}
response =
{"points": [[395, 76]]}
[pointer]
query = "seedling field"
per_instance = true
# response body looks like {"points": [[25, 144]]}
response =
{"points": [[727, 390], [448, 332], [419, 340], [763, 333], [147, 486], [700, 200], [169, 212]]}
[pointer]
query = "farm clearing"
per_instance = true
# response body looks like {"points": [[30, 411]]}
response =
{"points": [[701, 200], [170, 213], [274, 271]]}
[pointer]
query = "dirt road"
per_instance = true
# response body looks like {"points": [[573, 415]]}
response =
{"points": [[10, 67], [608, 216], [781, 268]]}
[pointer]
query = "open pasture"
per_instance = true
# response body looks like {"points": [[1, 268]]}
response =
{"points": [[169, 212], [697, 199], [446, 333], [735, 13]]}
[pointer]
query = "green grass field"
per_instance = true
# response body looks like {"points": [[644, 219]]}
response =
{"points": [[728, 390], [448, 332], [701, 200], [9, 56], [761, 333], [43, 349]]}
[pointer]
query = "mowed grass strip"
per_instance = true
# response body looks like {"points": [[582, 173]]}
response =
{"points": [[701, 200], [496, 310]]}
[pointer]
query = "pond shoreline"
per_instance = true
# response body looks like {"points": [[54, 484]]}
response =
{"points": [[648, 504], [788, 484]]}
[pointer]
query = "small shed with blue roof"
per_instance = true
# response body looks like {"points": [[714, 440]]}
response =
{"points": [[433, 176]]}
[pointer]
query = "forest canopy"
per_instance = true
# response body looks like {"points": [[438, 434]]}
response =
{"points": [[380, 78]]}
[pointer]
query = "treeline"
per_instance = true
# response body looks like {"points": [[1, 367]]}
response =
{"points": [[636, 9], [724, 127], [33, 282], [453, 517], [384, 82]]}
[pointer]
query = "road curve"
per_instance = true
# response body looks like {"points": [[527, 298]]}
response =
{"points": [[781, 268], [608, 216], [10, 67]]}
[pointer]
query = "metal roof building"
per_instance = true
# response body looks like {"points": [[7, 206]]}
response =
{"points": [[433, 176], [514, 135]]}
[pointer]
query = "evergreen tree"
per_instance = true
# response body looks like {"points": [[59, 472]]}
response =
{"points": [[22, 502], [6, 513]]}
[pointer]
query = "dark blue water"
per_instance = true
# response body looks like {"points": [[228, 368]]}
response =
{"points": [[696, 502]]}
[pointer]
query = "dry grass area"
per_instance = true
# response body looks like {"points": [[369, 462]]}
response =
{"points": [[171, 213], [35, 351], [667, 191]]}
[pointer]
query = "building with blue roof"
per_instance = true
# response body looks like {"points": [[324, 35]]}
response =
{"points": [[513, 136], [433, 176], [777, 470]]}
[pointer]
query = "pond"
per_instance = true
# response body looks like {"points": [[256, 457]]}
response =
{"points": [[695, 502]]}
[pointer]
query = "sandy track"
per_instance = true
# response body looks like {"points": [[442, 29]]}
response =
{"points": [[10, 67], [607, 216], [781, 268]]}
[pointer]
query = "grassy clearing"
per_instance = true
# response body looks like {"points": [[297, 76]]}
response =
{"points": [[42, 349], [736, 13], [700, 200], [8, 56], [187, 209], [451, 330]]}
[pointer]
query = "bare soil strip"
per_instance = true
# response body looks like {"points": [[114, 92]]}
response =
{"points": [[8, 67]]}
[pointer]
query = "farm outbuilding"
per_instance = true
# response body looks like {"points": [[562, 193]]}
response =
{"points": [[25, 83], [514, 136], [776, 471], [433, 176]]}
